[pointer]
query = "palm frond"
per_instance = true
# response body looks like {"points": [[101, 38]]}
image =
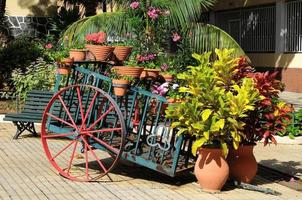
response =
{"points": [[207, 37], [184, 11]]}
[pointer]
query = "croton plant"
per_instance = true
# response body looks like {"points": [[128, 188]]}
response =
{"points": [[271, 115], [227, 103]]}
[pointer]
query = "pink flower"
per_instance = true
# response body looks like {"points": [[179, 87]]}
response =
{"points": [[151, 57], [176, 37], [48, 46], [153, 13], [134, 5], [161, 90], [164, 67]]}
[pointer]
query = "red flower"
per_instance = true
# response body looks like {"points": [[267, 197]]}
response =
{"points": [[96, 38]]}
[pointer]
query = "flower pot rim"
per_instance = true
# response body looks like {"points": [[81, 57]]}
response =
{"points": [[122, 46], [78, 50], [124, 66]]}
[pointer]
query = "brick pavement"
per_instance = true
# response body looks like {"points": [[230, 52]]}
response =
{"points": [[25, 173]]}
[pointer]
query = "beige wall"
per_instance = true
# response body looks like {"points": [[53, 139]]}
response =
{"points": [[31, 7], [276, 60], [231, 4]]}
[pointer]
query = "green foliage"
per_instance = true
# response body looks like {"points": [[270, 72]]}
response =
{"points": [[174, 16], [39, 75], [19, 53], [214, 105], [294, 129]]}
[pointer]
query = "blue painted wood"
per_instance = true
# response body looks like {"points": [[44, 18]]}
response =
{"points": [[147, 145]]}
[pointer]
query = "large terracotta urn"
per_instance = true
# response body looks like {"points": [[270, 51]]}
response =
{"points": [[243, 164], [211, 169]]}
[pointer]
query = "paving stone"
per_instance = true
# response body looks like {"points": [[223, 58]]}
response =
{"points": [[25, 173]]}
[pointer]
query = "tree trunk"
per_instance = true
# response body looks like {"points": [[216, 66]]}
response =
{"points": [[104, 6], [2, 7]]}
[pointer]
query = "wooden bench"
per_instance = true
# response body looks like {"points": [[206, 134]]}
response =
{"points": [[32, 112]]}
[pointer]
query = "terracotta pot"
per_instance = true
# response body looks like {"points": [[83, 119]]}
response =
{"points": [[122, 52], [63, 70], [211, 169], [154, 108], [173, 100], [98, 52], [150, 73], [67, 61], [243, 164], [168, 77], [78, 54], [134, 72], [120, 87]]}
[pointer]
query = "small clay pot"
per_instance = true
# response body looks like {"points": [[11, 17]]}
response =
{"points": [[134, 72], [168, 77], [78, 54], [150, 74], [98, 52], [120, 87], [122, 52]]}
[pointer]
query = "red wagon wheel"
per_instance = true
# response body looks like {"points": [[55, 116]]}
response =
{"points": [[83, 132]]}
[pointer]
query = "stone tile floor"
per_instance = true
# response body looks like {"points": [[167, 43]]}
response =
{"points": [[25, 173]]}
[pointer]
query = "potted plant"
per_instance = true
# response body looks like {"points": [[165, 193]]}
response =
{"points": [[151, 67], [212, 113], [63, 62], [270, 116], [168, 71], [131, 68], [98, 50], [120, 83], [121, 51], [78, 52]]}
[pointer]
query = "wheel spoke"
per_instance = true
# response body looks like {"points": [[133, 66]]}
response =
{"points": [[100, 118], [89, 109], [67, 111], [104, 144], [72, 156], [95, 156], [54, 157], [80, 102], [58, 135], [86, 157], [103, 130], [60, 120]]}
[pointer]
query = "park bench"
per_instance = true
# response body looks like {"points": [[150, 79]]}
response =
{"points": [[32, 112], [36, 100]]}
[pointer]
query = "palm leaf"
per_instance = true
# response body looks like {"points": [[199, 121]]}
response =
{"points": [[184, 11], [206, 37]]}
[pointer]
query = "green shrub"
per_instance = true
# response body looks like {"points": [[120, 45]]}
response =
{"points": [[39, 75], [295, 128], [18, 54]]}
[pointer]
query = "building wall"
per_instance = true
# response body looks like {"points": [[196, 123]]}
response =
{"points": [[289, 66], [232, 4], [37, 8], [29, 17]]}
